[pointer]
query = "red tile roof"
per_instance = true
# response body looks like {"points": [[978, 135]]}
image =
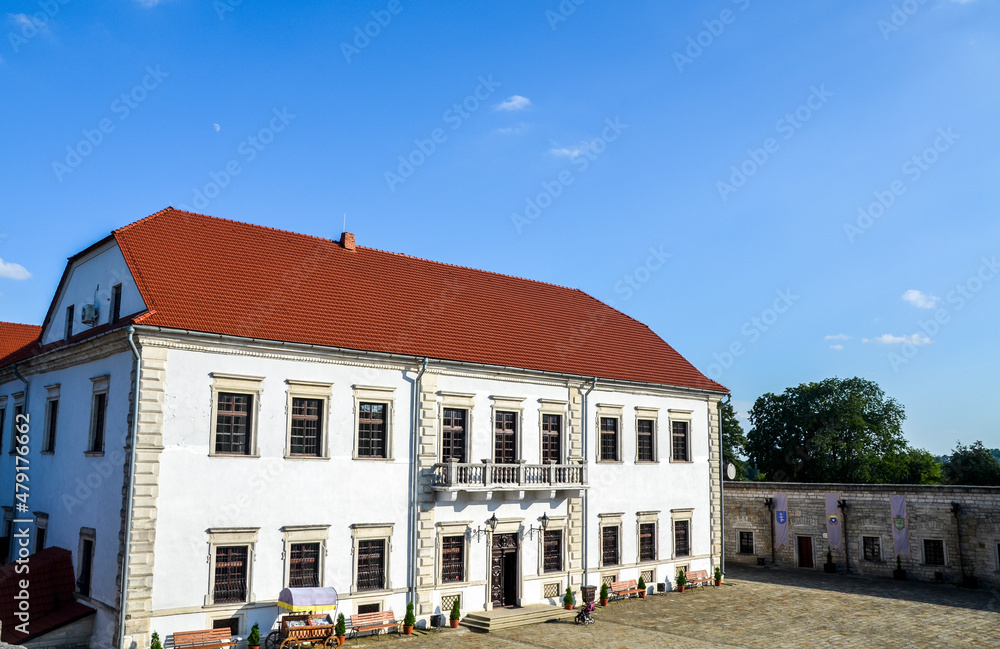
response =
{"points": [[213, 275], [14, 337], [50, 595]]}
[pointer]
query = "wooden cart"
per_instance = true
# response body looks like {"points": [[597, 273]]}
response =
{"points": [[309, 622]]}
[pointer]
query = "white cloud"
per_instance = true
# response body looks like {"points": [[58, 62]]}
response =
{"points": [[569, 152], [920, 300], [217, 127], [837, 337], [11, 270], [889, 339], [837, 347], [514, 102]]}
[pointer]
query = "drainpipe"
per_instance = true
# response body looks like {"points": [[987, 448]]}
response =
{"points": [[415, 479], [586, 492], [770, 508], [722, 491], [956, 509], [842, 504], [13, 432], [133, 436]]}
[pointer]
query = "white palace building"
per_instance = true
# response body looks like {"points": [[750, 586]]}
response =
{"points": [[217, 411]]}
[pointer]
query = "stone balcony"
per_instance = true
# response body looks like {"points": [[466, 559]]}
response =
{"points": [[483, 480]]}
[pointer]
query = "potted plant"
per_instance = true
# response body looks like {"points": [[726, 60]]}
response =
{"points": [[253, 640], [154, 642], [456, 614], [341, 630], [971, 580], [829, 567], [568, 599], [409, 620], [899, 574], [682, 580], [604, 595], [718, 576], [642, 586]]}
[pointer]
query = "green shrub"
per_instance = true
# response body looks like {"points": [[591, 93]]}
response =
{"points": [[155, 643], [642, 584], [456, 613], [718, 573], [604, 591], [341, 629], [568, 597], [409, 619], [253, 639], [682, 579]]}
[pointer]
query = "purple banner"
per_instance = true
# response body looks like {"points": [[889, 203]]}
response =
{"points": [[834, 526]]}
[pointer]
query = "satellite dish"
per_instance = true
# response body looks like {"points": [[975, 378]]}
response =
{"points": [[730, 470]]}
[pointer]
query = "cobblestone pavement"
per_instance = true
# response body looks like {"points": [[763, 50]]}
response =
{"points": [[763, 608]]}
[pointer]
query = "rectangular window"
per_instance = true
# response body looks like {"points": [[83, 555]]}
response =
{"points": [[453, 434], [15, 421], [682, 539], [371, 564], [97, 422], [49, 442], [307, 424], [3, 417], [452, 558], [609, 439], [231, 623], [552, 541], [679, 437], [86, 566], [369, 608], [116, 304], [552, 438], [647, 542], [610, 549], [872, 547], [232, 423], [372, 438], [644, 440], [505, 438], [39, 537], [303, 565], [934, 552], [231, 574], [69, 321], [746, 543]]}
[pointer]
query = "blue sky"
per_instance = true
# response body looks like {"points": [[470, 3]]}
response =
{"points": [[783, 193]]}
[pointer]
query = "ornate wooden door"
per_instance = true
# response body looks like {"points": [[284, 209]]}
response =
{"points": [[503, 570]]}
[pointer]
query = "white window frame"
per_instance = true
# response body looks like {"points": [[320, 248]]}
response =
{"points": [[455, 401], [610, 411], [556, 524], [646, 518], [231, 536], [605, 521], [449, 529], [554, 407], [236, 384], [371, 532], [309, 390], [677, 516], [507, 404], [944, 549], [649, 414], [375, 394], [687, 417], [296, 534], [53, 395]]}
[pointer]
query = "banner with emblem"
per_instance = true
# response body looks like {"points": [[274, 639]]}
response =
{"points": [[900, 526], [834, 526], [781, 520]]}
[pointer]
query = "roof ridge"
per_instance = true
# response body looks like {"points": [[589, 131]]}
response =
{"points": [[19, 324]]}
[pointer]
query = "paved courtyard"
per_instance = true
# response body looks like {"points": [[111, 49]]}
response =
{"points": [[763, 608]]}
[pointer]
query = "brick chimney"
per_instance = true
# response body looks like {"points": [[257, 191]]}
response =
{"points": [[347, 240]]}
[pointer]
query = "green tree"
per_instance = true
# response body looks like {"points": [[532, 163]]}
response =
{"points": [[920, 467], [972, 465], [734, 441], [837, 430]]}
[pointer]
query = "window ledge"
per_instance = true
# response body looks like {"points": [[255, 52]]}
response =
{"points": [[682, 461], [307, 457], [94, 454], [235, 455], [610, 462], [372, 593], [47, 452], [375, 459], [647, 461]]}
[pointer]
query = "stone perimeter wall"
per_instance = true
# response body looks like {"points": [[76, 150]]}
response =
{"points": [[929, 515]]}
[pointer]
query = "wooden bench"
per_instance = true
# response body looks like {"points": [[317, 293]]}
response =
{"points": [[378, 623], [204, 639], [697, 577], [624, 589]]}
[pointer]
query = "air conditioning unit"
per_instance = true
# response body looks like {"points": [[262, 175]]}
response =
{"points": [[89, 314]]}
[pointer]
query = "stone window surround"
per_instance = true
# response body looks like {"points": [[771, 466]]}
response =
{"points": [[687, 416], [508, 404], [753, 542], [678, 515], [371, 532], [560, 523], [609, 520], [226, 536], [944, 549], [375, 394], [555, 407], [52, 394], [642, 518], [304, 534], [457, 401], [240, 615], [881, 547], [236, 384], [309, 390], [101, 385], [451, 528], [653, 414], [609, 411]]}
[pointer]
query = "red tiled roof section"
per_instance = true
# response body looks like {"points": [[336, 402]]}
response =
{"points": [[14, 337], [214, 275]]}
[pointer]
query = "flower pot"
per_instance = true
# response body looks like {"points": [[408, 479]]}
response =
{"points": [[408, 630], [718, 583], [681, 588], [253, 646], [604, 602], [454, 623], [340, 640], [568, 607], [899, 575], [642, 595]]}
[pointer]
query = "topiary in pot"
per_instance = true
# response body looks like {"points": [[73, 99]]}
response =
{"points": [[718, 576], [568, 599], [409, 620], [899, 574], [642, 587], [253, 640], [604, 594], [340, 630], [682, 580], [154, 642], [829, 566], [456, 614]]}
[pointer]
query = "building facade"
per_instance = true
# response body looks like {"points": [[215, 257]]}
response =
{"points": [[235, 410]]}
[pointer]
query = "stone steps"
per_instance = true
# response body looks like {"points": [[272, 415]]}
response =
{"points": [[486, 621]]}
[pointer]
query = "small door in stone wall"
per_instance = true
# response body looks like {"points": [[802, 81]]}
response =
{"points": [[805, 547]]}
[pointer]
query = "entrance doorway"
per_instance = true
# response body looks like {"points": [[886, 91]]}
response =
{"points": [[805, 551], [503, 570]]}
